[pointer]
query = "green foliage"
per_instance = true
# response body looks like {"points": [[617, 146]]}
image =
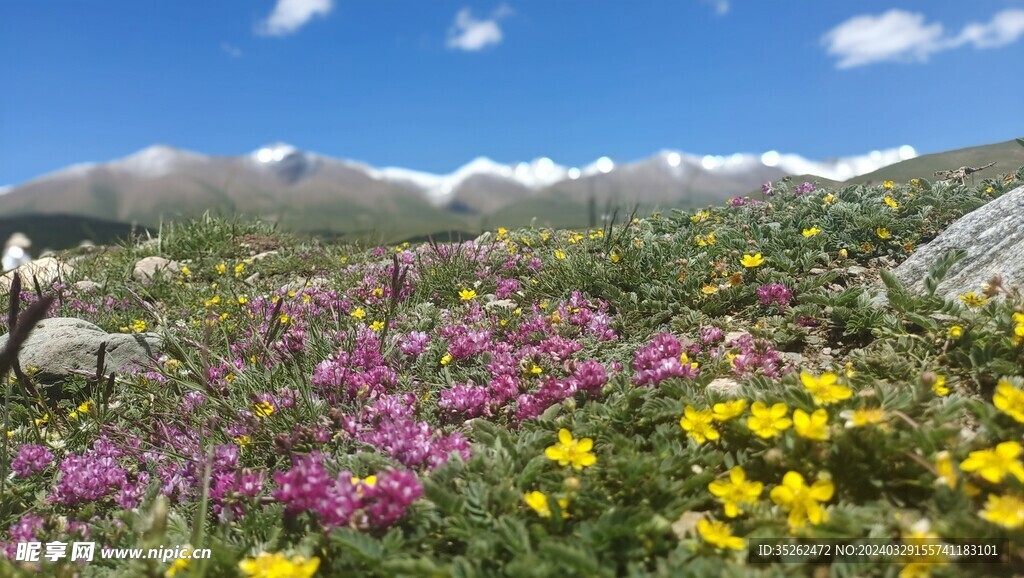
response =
{"points": [[632, 513]]}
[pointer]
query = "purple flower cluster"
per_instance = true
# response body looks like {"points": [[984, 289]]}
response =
{"points": [[361, 372], [390, 426], [335, 501], [804, 188], [589, 377], [775, 293], [660, 360], [711, 335], [28, 529], [755, 356], [31, 459], [414, 343], [97, 475]]}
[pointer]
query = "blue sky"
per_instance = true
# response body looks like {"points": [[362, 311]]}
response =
{"points": [[430, 84]]}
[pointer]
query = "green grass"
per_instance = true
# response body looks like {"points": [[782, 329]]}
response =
{"points": [[605, 295]]}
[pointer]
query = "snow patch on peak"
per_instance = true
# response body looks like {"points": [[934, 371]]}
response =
{"points": [[274, 152], [536, 174], [155, 161]]}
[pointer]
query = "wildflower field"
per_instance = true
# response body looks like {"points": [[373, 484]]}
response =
{"points": [[635, 400]]}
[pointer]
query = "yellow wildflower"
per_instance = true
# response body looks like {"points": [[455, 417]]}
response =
{"points": [[829, 198], [242, 441], [891, 202], [1006, 511], [709, 289], [824, 389], [719, 534], [996, 463], [570, 451], [803, 502], [956, 332], [883, 233], [1009, 400], [750, 261], [185, 271], [727, 410], [263, 409], [539, 503], [811, 232], [768, 422], [446, 359], [887, 184], [812, 426], [467, 294], [377, 325], [242, 300], [377, 292], [946, 469], [737, 491], [221, 268], [358, 314], [862, 416], [972, 299], [138, 326], [699, 425], [277, 566], [939, 386], [177, 566]]}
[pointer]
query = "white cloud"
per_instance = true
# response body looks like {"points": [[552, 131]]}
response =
{"points": [[903, 36], [290, 15], [721, 6], [1005, 28], [470, 34], [231, 50]]}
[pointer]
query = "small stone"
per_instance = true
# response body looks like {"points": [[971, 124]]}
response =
{"points": [[149, 267], [261, 256], [827, 351], [734, 335], [87, 286], [857, 270], [817, 271], [725, 386]]}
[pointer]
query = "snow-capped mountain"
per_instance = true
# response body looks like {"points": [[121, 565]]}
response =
{"points": [[282, 182]]}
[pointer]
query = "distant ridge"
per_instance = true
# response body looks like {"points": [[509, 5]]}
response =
{"points": [[306, 191]]}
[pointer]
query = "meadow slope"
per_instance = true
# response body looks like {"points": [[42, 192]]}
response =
{"points": [[632, 400]]}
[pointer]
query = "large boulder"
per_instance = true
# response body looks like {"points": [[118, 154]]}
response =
{"points": [[60, 345], [993, 237]]}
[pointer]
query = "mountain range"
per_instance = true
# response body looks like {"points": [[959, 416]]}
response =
{"points": [[310, 192]]}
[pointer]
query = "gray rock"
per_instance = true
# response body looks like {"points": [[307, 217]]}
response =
{"points": [[993, 237], [46, 270], [149, 267], [733, 336], [857, 270], [725, 386], [60, 345], [792, 357], [261, 256], [86, 286]]}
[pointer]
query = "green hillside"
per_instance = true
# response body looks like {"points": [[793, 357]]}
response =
{"points": [[1007, 155]]}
